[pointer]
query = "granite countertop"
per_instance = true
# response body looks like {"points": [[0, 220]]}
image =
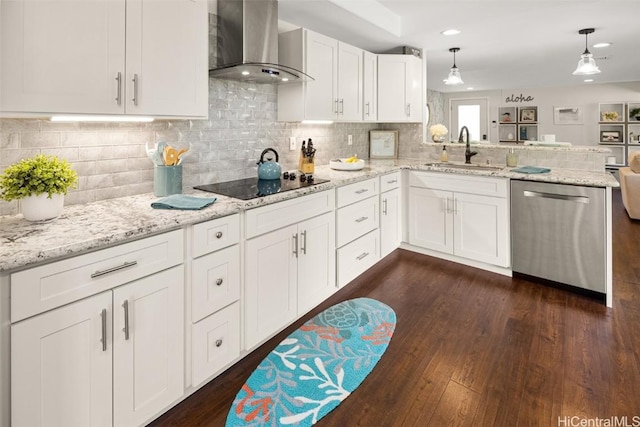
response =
{"points": [[96, 225]]}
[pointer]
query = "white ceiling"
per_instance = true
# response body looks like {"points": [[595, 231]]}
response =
{"points": [[508, 44]]}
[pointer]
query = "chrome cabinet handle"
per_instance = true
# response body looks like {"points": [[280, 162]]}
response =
{"points": [[99, 273], [408, 110], [336, 106], [446, 205], [219, 235], [364, 190], [103, 339], [362, 256], [135, 89], [341, 106], [384, 208], [219, 281], [367, 111], [119, 95], [362, 218], [455, 206], [125, 305], [393, 181], [303, 247], [295, 246], [218, 343]]}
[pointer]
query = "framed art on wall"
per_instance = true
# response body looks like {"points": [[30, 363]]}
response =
{"points": [[383, 144], [567, 115]]}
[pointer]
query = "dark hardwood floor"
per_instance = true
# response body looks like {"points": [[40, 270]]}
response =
{"points": [[478, 349]]}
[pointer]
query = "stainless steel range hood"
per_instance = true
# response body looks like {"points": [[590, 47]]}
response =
{"points": [[247, 47]]}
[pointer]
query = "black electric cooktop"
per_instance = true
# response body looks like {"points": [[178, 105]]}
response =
{"points": [[251, 188]]}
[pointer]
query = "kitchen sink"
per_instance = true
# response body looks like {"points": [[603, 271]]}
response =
{"points": [[465, 166]]}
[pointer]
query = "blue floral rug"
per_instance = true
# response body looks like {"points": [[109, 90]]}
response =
{"points": [[316, 367]]}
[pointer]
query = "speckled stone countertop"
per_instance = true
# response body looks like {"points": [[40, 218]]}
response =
{"points": [[96, 225]]}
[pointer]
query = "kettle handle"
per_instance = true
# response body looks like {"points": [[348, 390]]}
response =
{"points": [[265, 151]]}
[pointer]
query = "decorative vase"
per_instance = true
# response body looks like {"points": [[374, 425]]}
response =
{"points": [[437, 138], [41, 207]]}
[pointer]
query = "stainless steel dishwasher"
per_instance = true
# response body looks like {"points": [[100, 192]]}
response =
{"points": [[558, 233]]}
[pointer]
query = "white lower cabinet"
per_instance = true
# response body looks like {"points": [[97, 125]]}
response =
{"points": [[471, 222], [215, 295], [390, 213], [289, 262], [119, 352]]}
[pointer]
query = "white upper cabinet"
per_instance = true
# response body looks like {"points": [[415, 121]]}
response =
{"points": [[83, 57], [335, 93], [369, 86], [399, 88]]}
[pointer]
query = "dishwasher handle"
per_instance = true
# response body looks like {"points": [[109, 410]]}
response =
{"points": [[577, 199]]}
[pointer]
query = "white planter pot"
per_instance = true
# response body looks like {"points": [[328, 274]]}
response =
{"points": [[41, 208]]}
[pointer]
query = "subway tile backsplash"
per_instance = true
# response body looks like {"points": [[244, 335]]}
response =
{"points": [[111, 160]]}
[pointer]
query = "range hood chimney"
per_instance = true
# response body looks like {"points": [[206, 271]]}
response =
{"points": [[247, 48]]}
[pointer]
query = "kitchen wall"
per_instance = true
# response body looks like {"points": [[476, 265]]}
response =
{"points": [[587, 96]]}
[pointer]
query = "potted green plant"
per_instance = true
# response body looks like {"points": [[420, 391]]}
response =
{"points": [[634, 113], [40, 183]]}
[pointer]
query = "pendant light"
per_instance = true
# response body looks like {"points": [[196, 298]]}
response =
{"points": [[586, 65], [454, 75]]}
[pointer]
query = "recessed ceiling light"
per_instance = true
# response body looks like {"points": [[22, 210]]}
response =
{"points": [[588, 80], [598, 45], [450, 32], [469, 88]]}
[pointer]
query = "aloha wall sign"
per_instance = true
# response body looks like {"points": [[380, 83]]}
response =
{"points": [[518, 98]]}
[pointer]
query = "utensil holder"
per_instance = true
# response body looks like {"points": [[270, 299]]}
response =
{"points": [[167, 180]]}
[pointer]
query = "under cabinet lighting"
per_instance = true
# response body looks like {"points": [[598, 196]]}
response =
{"points": [[245, 73], [92, 118]]}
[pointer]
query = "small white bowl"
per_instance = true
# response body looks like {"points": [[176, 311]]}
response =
{"points": [[343, 166]]}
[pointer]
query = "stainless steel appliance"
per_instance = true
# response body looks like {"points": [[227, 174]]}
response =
{"points": [[251, 188], [558, 233]]}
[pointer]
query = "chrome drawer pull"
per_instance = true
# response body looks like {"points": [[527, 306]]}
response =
{"points": [[295, 246], [364, 190], [303, 247], [341, 106], [393, 181], [218, 343], [135, 89], [384, 209], [364, 218], [103, 339], [219, 235], [363, 255], [99, 273], [579, 199], [367, 105], [219, 282], [125, 305]]}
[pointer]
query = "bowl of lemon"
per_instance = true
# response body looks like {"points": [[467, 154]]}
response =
{"points": [[352, 163]]}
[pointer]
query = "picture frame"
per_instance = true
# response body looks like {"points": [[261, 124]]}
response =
{"points": [[568, 115], [528, 115], [383, 144], [610, 136]]}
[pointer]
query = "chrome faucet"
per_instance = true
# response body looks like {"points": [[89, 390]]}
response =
{"points": [[468, 154]]}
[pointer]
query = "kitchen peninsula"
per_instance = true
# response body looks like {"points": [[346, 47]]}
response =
{"points": [[85, 235]]}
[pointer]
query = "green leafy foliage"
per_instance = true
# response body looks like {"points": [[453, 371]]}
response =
{"points": [[37, 175]]}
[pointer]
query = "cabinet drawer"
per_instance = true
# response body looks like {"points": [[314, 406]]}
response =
{"points": [[48, 286], [390, 181], [472, 184], [215, 343], [357, 191], [356, 220], [271, 217], [357, 257], [216, 282], [215, 234]]}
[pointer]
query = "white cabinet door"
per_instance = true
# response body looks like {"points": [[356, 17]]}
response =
{"points": [[430, 221], [148, 349], [321, 94], [62, 56], [167, 56], [399, 88], [369, 84], [349, 83], [390, 225], [270, 283], [60, 367], [316, 261], [481, 228]]}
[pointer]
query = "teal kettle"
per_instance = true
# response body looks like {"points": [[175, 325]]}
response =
{"points": [[268, 169]]}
